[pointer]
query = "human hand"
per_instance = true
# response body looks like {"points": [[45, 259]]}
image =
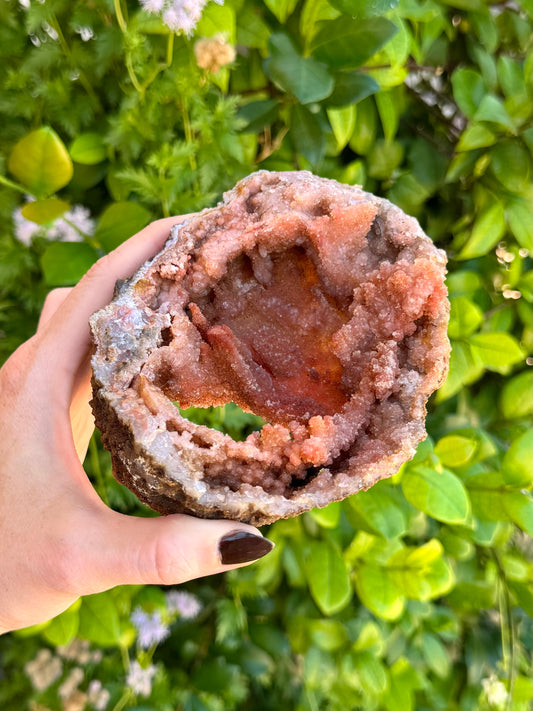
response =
{"points": [[58, 540]]}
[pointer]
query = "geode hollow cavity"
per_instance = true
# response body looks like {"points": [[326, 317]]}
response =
{"points": [[315, 305]]}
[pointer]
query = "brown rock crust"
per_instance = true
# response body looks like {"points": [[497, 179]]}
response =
{"points": [[315, 305]]}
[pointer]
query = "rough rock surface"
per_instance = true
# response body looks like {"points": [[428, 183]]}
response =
{"points": [[313, 304]]}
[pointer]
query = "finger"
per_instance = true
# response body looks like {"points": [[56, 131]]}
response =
{"points": [[81, 416], [67, 334], [53, 301], [167, 550]]}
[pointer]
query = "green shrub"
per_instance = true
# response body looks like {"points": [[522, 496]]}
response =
{"points": [[416, 594]]}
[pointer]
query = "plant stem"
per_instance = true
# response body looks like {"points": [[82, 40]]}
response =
{"points": [[507, 629], [120, 16], [170, 49], [67, 52], [10, 184], [121, 703], [132, 75]]}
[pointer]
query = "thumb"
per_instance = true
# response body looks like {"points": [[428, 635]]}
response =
{"points": [[169, 549]]}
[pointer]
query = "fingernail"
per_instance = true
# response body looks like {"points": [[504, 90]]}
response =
{"points": [[242, 547]]}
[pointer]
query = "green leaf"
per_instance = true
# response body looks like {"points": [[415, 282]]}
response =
{"points": [[351, 87], [347, 44], [441, 495], [99, 620], [487, 231], [384, 158], [313, 11], [44, 211], [119, 222], [41, 162], [304, 77], [465, 317], [435, 655], [342, 122], [427, 164], [329, 516], [511, 164], [468, 90], [497, 351], [64, 263], [516, 400], [379, 512], [217, 19], [88, 148], [364, 133], [519, 507], [389, 112], [455, 450], [258, 114], [463, 283], [371, 673], [511, 76], [363, 8], [491, 109], [281, 9], [475, 135], [63, 628], [328, 578], [378, 592], [307, 134], [252, 30], [465, 368], [519, 211], [517, 463], [328, 634]]}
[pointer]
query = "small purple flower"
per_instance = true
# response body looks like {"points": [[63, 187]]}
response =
{"points": [[185, 604], [150, 628]]}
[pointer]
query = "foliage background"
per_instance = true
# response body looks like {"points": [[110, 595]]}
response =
{"points": [[416, 594]]}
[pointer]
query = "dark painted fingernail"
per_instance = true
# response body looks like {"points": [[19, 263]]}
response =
{"points": [[242, 547]]}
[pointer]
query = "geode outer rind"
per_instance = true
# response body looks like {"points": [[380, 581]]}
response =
{"points": [[316, 305]]}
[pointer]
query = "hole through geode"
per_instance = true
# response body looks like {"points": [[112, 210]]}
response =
{"points": [[315, 306]]}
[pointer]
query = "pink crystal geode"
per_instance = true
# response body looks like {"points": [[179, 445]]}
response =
{"points": [[315, 305]]}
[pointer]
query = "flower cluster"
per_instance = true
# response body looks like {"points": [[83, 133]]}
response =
{"points": [[495, 691], [139, 679], [178, 15], [151, 629], [71, 227], [44, 669], [213, 53], [186, 605], [79, 650]]}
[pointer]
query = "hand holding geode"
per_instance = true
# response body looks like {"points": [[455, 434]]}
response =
{"points": [[313, 304]]}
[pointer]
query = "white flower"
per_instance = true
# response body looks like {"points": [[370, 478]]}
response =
{"points": [[152, 5], [150, 627], [69, 228], [140, 680], [178, 15], [185, 604], [97, 696], [25, 230], [71, 683], [44, 669], [495, 691]]}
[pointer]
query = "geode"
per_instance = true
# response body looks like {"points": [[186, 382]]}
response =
{"points": [[315, 305]]}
